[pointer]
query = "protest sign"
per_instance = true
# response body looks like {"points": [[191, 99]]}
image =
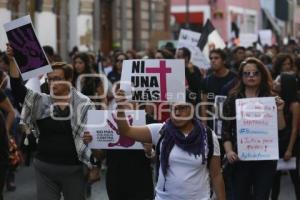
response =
{"points": [[103, 127], [190, 39], [257, 128], [28, 53], [247, 39], [154, 80], [265, 37], [219, 102], [34, 84], [286, 165]]}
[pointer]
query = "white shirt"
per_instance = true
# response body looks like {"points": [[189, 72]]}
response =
{"points": [[187, 178]]}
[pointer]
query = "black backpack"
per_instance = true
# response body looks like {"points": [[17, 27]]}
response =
{"points": [[209, 142]]}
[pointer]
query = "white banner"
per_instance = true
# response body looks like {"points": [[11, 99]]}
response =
{"points": [[190, 39], [154, 80], [103, 127], [265, 37], [247, 39], [257, 129]]}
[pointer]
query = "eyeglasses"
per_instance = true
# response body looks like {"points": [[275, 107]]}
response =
{"points": [[251, 74]]}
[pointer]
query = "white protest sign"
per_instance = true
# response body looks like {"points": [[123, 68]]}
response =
{"points": [[257, 129], [34, 84], [286, 165], [29, 55], [103, 127], [265, 37], [219, 102], [190, 39], [247, 39], [154, 80]]}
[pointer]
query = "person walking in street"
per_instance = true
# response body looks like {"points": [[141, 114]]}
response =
{"points": [[59, 120], [187, 158], [286, 85], [249, 178]]}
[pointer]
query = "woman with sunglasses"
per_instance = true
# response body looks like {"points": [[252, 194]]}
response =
{"points": [[249, 178], [288, 139], [184, 168]]}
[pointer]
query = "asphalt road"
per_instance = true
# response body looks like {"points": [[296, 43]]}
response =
{"points": [[26, 189]]}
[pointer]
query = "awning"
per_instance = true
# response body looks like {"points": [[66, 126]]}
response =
{"points": [[271, 19], [194, 17]]}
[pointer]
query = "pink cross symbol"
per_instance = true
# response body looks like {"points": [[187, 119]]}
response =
{"points": [[162, 70]]}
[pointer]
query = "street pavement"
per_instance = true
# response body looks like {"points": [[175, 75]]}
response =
{"points": [[26, 189]]}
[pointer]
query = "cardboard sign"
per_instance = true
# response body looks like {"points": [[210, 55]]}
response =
{"points": [[154, 80], [190, 39], [219, 102], [257, 129], [28, 53], [103, 127]]}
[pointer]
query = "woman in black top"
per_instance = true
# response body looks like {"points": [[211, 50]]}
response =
{"points": [[90, 86], [288, 140], [115, 74], [283, 63], [256, 176], [3, 149]]}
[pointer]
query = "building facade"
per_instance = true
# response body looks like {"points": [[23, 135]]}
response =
{"points": [[92, 24], [224, 14]]}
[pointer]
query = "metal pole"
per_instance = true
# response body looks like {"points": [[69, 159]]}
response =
{"points": [[187, 14]]}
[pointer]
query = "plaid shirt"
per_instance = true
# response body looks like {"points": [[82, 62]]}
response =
{"points": [[38, 106]]}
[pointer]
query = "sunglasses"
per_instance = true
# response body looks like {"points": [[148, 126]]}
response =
{"points": [[251, 74]]}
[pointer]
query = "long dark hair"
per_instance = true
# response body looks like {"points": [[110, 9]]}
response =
{"points": [[288, 83], [86, 60], [265, 88], [89, 86], [279, 60], [115, 59]]}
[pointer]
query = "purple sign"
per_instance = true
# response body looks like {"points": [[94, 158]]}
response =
{"points": [[28, 52]]}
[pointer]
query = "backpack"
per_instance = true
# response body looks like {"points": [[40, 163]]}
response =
{"points": [[209, 142]]}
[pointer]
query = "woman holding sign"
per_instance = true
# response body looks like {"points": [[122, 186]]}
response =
{"points": [[288, 139], [188, 153], [256, 176]]}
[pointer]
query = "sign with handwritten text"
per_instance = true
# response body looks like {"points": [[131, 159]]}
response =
{"points": [[257, 129], [29, 55], [104, 130], [154, 80]]}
